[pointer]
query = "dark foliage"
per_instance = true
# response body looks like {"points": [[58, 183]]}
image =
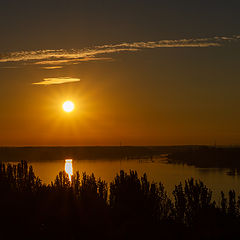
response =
{"points": [[130, 208]]}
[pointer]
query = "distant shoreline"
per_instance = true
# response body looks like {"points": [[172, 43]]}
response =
{"points": [[196, 155], [89, 152]]}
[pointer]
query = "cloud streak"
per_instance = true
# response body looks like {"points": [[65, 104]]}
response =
{"points": [[57, 80], [52, 67], [97, 53]]}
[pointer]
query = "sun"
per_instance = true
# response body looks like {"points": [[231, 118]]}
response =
{"points": [[68, 106]]}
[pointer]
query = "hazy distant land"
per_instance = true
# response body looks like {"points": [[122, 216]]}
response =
{"points": [[199, 156], [79, 153]]}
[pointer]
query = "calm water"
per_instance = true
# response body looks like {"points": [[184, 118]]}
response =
{"points": [[168, 174]]}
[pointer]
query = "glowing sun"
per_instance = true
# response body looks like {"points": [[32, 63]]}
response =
{"points": [[68, 106]]}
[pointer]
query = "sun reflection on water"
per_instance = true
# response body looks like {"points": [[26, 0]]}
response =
{"points": [[69, 168]]}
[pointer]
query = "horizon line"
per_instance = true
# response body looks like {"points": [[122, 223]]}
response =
{"points": [[174, 145]]}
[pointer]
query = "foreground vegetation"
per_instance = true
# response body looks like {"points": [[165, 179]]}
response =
{"points": [[129, 208]]}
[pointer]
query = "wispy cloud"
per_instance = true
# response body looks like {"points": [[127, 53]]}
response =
{"points": [[8, 67], [52, 67], [57, 80], [70, 61], [74, 56]]}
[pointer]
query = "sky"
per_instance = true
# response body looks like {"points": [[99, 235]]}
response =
{"points": [[139, 72]]}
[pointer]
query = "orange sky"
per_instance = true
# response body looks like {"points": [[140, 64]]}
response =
{"points": [[162, 75], [117, 102]]}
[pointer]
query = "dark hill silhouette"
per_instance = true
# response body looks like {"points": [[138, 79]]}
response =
{"points": [[208, 157]]}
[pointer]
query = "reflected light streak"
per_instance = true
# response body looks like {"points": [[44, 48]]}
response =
{"points": [[69, 168]]}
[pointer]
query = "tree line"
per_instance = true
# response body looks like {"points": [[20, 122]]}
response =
{"points": [[129, 207]]}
